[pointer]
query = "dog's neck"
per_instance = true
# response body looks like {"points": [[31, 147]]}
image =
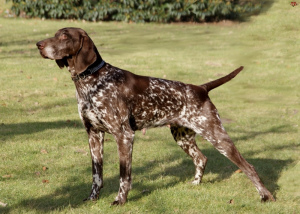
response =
{"points": [[96, 66], [79, 75]]}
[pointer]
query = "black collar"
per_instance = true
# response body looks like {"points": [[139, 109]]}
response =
{"points": [[90, 70]]}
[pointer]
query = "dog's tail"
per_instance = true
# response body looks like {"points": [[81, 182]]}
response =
{"points": [[216, 83]]}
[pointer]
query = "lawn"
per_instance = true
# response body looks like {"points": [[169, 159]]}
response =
{"points": [[45, 165]]}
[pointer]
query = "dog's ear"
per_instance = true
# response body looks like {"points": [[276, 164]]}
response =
{"points": [[61, 63], [86, 54]]}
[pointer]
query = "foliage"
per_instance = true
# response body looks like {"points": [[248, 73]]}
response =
{"points": [[137, 10], [38, 110]]}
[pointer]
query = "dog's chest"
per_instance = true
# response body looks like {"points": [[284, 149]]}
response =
{"points": [[95, 106], [98, 99]]}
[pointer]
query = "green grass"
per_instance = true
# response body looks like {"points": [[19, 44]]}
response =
{"points": [[38, 112]]}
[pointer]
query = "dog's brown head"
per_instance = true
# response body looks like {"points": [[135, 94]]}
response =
{"points": [[70, 47]]}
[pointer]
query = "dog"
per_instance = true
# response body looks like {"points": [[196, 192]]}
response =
{"points": [[116, 101]]}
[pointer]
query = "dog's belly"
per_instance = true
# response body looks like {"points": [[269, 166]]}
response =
{"points": [[154, 118]]}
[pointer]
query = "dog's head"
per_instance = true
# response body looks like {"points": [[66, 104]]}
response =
{"points": [[70, 47]]}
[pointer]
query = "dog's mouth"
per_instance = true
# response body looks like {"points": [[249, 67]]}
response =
{"points": [[43, 55]]}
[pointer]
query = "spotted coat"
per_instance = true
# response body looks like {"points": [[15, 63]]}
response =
{"points": [[118, 102]]}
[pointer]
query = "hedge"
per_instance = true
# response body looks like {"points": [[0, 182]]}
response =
{"points": [[137, 10]]}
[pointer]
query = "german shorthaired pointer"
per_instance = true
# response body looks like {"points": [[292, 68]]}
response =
{"points": [[119, 102]]}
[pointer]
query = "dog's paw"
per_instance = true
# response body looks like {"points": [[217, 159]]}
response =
{"points": [[196, 182], [117, 202], [267, 197], [91, 198]]}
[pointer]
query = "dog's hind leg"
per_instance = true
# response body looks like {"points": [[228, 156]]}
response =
{"points": [[212, 130], [185, 138]]}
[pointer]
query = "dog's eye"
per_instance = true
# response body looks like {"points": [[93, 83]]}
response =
{"points": [[63, 36]]}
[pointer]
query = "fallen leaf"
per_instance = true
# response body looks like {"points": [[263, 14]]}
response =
{"points": [[231, 201], [55, 79], [219, 75], [45, 181], [229, 167], [238, 171], [29, 77], [226, 120], [145, 190], [144, 131], [6, 176], [45, 168], [81, 151], [3, 204], [213, 64], [37, 173], [44, 151]]}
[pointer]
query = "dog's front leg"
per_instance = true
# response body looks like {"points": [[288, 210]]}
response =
{"points": [[125, 146], [96, 147]]}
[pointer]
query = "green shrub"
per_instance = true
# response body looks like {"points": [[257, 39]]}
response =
{"points": [[137, 10]]}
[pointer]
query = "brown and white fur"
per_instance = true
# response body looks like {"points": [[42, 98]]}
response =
{"points": [[119, 102]]}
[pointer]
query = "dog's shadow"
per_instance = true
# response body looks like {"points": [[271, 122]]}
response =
{"points": [[269, 171], [72, 194]]}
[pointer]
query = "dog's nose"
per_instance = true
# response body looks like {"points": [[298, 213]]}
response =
{"points": [[40, 45]]}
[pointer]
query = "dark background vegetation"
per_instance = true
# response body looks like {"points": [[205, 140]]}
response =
{"points": [[164, 11]]}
